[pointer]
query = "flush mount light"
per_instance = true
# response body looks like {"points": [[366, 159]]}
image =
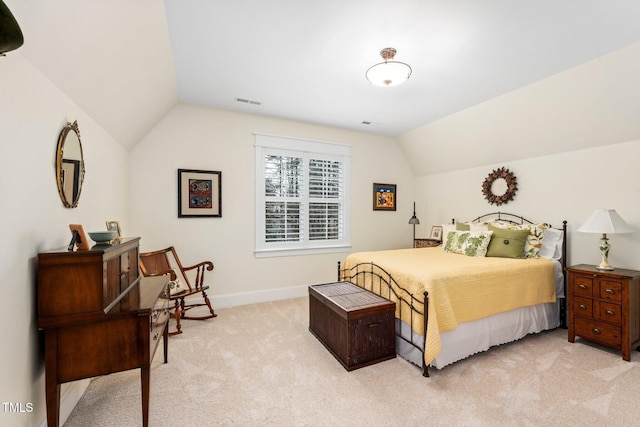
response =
{"points": [[390, 72]]}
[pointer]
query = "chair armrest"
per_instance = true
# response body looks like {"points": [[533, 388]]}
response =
{"points": [[207, 264]]}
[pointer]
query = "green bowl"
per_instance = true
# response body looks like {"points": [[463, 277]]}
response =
{"points": [[102, 236]]}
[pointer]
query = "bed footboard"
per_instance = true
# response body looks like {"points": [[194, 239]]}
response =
{"points": [[376, 279]]}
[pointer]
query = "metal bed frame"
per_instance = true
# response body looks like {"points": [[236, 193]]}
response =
{"points": [[377, 280]]}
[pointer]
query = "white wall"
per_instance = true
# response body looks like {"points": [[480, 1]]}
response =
{"points": [[586, 119], [566, 186], [591, 105], [192, 137], [32, 113]]}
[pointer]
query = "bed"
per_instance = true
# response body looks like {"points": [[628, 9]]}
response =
{"points": [[451, 304]]}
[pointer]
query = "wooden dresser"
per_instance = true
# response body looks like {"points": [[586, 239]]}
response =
{"points": [[604, 307], [355, 325], [99, 317]]}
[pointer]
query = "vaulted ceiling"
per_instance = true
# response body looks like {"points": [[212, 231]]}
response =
{"points": [[127, 63]]}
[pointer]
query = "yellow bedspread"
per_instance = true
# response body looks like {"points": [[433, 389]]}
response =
{"points": [[462, 288]]}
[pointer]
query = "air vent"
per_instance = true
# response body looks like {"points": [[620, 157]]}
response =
{"points": [[248, 101]]}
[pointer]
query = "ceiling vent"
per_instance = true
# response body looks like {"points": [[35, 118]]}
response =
{"points": [[248, 101]]}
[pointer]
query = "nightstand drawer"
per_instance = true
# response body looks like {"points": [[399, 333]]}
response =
{"points": [[611, 290], [583, 306], [610, 313], [583, 286], [600, 332]]}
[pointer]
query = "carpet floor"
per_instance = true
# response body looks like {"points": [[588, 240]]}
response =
{"points": [[258, 365]]}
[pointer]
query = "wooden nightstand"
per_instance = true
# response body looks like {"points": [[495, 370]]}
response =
{"points": [[604, 306], [426, 243]]}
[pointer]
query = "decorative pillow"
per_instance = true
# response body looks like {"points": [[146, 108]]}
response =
{"points": [[551, 247], [479, 226], [534, 239], [446, 228], [500, 224], [507, 243], [470, 243], [462, 226], [176, 287]]}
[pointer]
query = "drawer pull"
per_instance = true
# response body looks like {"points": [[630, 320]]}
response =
{"points": [[610, 291], [582, 306], [597, 331], [155, 336], [373, 325], [581, 286], [610, 312]]}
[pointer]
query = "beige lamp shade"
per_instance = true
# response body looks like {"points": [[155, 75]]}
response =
{"points": [[606, 221]]}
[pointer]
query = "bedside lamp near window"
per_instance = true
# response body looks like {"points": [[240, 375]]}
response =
{"points": [[605, 221], [414, 221]]}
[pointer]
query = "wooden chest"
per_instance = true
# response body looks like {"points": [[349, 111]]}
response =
{"points": [[355, 325]]}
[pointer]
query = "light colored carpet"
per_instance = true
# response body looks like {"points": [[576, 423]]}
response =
{"points": [[259, 365]]}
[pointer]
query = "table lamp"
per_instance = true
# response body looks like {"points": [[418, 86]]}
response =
{"points": [[413, 221], [605, 221]]}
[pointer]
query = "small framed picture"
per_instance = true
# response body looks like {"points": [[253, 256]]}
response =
{"points": [[384, 197], [79, 237], [114, 226], [199, 193], [436, 232]]}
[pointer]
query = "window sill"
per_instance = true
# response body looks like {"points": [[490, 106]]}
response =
{"points": [[269, 253]]}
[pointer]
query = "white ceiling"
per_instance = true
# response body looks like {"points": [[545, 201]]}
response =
{"points": [[305, 60]]}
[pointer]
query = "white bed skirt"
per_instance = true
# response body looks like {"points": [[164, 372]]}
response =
{"points": [[473, 337]]}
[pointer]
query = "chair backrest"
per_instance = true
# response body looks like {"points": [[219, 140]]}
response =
{"points": [[156, 263]]}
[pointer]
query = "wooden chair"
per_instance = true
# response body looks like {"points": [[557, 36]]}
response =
{"points": [[157, 263]]}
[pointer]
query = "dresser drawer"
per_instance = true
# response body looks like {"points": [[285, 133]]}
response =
{"points": [[158, 319], [600, 332], [583, 306], [611, 290], [582, 286], [611, 313]]}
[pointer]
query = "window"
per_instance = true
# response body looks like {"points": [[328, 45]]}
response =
{"points": [[301, 196]]}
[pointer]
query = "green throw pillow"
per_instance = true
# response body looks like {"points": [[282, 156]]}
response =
{"points": [[507, 243], [461, 226]]}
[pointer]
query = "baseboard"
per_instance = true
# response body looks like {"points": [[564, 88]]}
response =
{"points": [[245, 298], [69, 400]]}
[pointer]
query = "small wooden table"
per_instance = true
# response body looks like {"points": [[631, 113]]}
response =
{"points": [[426, 243], [355, 325]]}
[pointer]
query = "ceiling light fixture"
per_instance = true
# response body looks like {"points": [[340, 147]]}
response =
{"points": [[390, 72]]}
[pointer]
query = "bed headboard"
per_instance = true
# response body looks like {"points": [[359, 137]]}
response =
{"points": [[503, 216]]}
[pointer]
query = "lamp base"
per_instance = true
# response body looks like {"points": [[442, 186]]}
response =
{"points": [[604, 252]]}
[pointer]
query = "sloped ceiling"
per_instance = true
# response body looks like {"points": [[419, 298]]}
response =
{"points": [[112, 57], [128, 62]]}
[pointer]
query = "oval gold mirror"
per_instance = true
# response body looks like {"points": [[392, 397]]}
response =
{"points": [[69, 165], [499, 187]]}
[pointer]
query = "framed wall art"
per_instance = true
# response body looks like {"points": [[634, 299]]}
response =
{"points": [[436, 232], [114, 226], [384, 197], [79, 238], [199, 193]]}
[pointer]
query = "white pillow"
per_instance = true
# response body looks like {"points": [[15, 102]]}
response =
{"points": [[446, 228], [552, 244], [478, 226]]}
